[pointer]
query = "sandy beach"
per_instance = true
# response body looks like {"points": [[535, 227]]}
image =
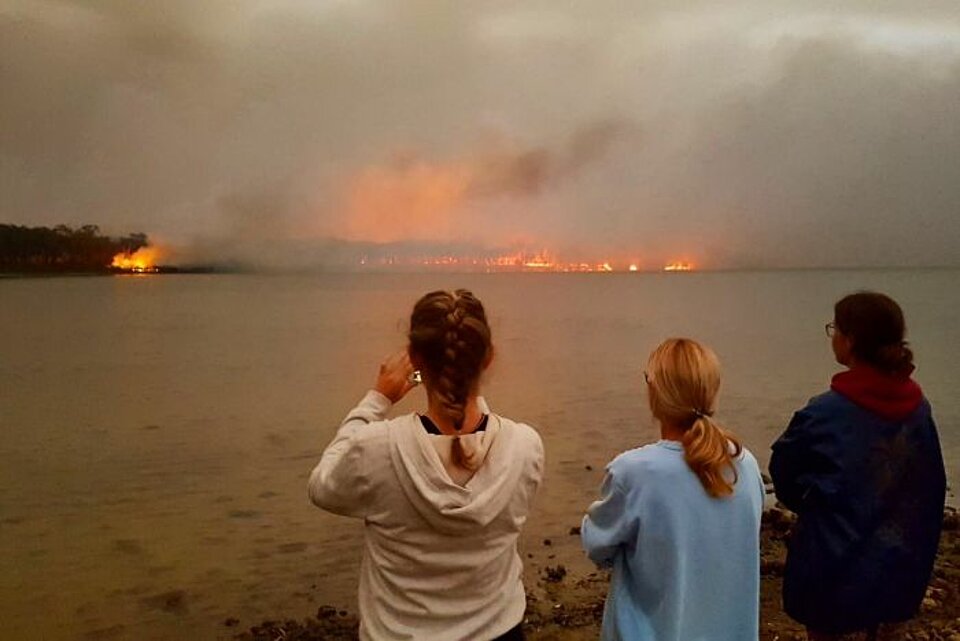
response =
{"points": [[564, 606]]}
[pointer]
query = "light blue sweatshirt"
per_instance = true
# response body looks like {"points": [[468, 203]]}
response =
{"points": [[686, 566]]}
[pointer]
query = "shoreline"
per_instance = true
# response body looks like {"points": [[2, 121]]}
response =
{"points": [[160, 270], [562, 606]]}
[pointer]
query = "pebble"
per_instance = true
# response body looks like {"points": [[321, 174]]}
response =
{"points": [[772, 567], [555, 574], [951, 519]]}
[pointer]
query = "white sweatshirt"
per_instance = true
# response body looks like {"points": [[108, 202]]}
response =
{"points": [[440, 560]]}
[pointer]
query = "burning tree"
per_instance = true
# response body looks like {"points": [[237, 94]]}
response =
{"points": [[62, 248]]}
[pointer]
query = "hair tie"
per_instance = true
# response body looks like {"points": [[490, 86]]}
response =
{"points": [[701, 414]]}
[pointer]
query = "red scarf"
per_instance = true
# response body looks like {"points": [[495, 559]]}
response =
{"points": [[891, 396]]}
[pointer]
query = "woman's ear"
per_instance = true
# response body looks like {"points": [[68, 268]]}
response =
{"points": [[842, 348], [652, 399], [489, 358], [414, 359]]}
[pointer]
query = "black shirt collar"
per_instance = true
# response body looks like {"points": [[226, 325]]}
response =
{"points": [[431, 427]]}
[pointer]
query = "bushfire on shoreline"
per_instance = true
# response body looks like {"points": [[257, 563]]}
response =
{"points": [[146, 260], [541, 261], [142, 261]]}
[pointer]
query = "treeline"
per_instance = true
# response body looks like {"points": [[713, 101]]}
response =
{"points": [[61, 248]]}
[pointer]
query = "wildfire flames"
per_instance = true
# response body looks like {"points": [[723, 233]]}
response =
{"points": [[541, 261], [147, 260], [144, 260]]}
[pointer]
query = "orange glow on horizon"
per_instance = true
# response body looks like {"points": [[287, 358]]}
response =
{"points": [[141, 261], [518, 261], [410, 200]]}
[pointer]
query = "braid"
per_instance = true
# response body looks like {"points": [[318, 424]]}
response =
{"points": [[449, 333]]}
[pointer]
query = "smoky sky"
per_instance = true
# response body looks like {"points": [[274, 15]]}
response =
{"points": [[747, 134]]}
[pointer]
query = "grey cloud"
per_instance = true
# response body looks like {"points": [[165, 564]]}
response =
{"points": [[230, 120], [529, 171], [843, 160]]}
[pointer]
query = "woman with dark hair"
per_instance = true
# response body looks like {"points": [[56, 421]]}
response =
{"points": [[442, 494], [679, 520], [862, 468]]}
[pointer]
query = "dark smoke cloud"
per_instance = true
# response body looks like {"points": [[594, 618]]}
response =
{"points": [[528, 172], [774, 133]]}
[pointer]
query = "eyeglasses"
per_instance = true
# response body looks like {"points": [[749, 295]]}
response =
{"points": [[830, 329]]}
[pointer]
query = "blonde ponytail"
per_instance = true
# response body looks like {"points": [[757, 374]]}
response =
{"points": [[684, 379], [710, 450]]}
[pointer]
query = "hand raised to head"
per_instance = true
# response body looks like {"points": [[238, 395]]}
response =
{"points": [[394, 379]]}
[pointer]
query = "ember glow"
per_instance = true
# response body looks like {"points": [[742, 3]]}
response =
{"points": [[413, 196], [142, 261], [412, 199], [519, 261]]}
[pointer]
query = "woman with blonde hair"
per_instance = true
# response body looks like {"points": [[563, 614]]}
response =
{"points": [[679, 520], [442, 494]]}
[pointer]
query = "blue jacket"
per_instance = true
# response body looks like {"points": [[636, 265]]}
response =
{"points": [[686, 566], [869, 494]]}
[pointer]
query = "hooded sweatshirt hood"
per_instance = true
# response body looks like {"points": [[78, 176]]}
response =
{"points": [[421, 459], [893, 397], [440, 559]]}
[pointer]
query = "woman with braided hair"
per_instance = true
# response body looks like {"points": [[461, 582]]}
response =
{"points": [[443, 494], [679, 520]]}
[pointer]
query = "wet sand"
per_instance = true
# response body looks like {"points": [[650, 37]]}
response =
{"points": [[568, 606]]}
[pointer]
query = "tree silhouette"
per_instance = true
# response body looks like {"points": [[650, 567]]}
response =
{"points": [[62, 248]]}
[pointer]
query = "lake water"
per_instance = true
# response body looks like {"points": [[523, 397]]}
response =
{"points": [[157, 432]]}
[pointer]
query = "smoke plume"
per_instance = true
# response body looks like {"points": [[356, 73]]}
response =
{"points": [[413, 198]]}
